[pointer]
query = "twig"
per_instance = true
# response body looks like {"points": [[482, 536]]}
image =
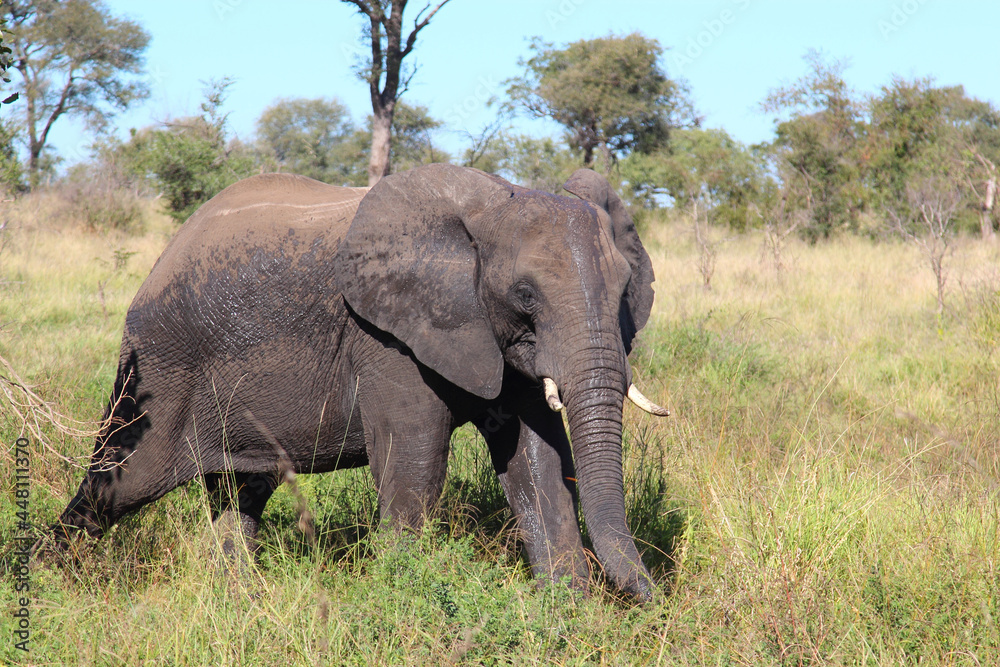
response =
{"points": [[33, 411]]}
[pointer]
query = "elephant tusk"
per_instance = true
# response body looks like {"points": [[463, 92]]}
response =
{"points": [[644, 403], [552, 394]]}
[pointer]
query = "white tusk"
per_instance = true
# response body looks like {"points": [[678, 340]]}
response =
{"points": [[552, 394], [644, 403]]}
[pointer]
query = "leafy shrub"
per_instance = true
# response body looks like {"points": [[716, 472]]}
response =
{"points": [[187, 160], [98, 208], [11, 173]]}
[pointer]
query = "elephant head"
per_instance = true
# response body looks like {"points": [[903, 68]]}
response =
{"points": [[474, 274]]}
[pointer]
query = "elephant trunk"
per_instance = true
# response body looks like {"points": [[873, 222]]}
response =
{"points": [[593, 394]]}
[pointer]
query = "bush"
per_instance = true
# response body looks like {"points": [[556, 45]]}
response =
{"points": [[11, 173], [98, 198], [100, 208], [187, 160]]}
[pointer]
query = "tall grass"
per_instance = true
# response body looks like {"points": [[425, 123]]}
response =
{"points": [[826, 491]]}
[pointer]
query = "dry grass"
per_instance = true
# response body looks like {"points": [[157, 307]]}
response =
{"points": [[826, 491]]}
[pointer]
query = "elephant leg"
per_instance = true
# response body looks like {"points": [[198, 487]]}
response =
{"points": [[409, 468], [408, 428], [237, 502], [533, 460]]}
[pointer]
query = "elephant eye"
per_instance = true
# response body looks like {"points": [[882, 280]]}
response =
{"points": [[525, 296]]}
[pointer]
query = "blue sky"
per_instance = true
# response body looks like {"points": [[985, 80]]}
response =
{"points": [[731, 52]]}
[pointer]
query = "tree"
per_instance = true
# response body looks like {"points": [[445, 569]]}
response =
{"points": [[189, 160], [10, 166], [978, 126], [11, 172], [6, 59], [610, 93], [706, 172], [817, 149], [75, 59], [700, 168], [384, 72], [915, 124], [538, 164], [927, 215], [315, 138], [412, 144], [907, 121]]}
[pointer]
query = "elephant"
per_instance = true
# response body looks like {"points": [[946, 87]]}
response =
{"points": [[292, 325]]}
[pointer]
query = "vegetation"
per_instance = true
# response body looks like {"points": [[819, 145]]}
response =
{"points": [[824, 493], [609, 93], [314, 138], [6, 60], [74, 59], [704, 170], [540, 164], [188, 160], [384, 72]]}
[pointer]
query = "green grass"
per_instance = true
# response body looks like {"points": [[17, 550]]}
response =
{"points": [[826, 491]]}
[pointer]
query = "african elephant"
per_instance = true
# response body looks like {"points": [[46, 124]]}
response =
{"points": [[293, 323]]}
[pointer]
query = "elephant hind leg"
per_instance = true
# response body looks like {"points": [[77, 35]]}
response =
{"points": [[238, 501], [139, 456]]}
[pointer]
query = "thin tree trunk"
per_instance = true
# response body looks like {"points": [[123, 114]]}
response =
{"points": [[986, 213], [378, 160], [387, 62]]}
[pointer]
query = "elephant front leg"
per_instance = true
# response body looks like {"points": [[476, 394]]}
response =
{"points": [[408, 428], [531, 454]]}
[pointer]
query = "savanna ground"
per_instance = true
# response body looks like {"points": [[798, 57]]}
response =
{"points": [[826, 491]]}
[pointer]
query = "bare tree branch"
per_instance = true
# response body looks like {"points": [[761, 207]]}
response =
{"points": [[386, 79], [419, 25]]}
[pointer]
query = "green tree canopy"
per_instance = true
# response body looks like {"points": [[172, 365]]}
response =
{"points": [[75, 59], [610, 93], [920, 133], [704, 167], [189, 160], [6, 59], [317, 138], [817, 149], [412, 138], [539, 164], [314, 138]]}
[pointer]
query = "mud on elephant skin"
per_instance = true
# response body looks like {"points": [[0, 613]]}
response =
{"points": [[323, 327]]}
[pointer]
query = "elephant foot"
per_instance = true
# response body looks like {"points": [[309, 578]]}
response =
{"points": [[236, 540]]}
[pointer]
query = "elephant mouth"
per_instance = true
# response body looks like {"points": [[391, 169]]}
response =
{"points": [[521, 351]]}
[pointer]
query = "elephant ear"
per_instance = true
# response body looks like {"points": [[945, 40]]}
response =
{"points": [[408, 264], [638, 299]]}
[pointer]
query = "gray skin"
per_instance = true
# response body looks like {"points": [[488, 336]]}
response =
{"points": [[279, 328]]}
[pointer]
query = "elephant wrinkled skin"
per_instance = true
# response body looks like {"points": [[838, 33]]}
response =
{"points": [[295, 323]]}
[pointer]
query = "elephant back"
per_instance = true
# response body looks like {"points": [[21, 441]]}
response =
{"points": [[261, 217], [250, 266]]}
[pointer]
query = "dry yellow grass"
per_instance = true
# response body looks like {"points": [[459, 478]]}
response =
{"points": [[826, 490]]}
